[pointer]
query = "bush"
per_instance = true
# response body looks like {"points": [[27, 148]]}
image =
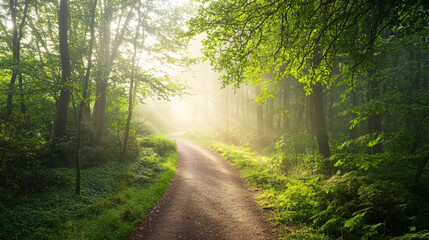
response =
{"points": [[142, 127], [93, 156], [115, 197], [355, 205], [158, 144]]}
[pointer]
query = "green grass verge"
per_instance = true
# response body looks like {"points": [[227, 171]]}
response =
{"points": [[352, 205], [115, 197]]}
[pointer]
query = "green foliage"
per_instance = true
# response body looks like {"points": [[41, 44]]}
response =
{"points": [[20, 158], [354, 205], [293, 151], [158, 144], [143, 127], [115, 197]]}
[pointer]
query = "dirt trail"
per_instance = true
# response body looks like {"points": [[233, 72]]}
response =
{"points": [[206, 200]]}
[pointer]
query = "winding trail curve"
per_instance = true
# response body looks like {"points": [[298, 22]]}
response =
{"points": [[206, 200]]}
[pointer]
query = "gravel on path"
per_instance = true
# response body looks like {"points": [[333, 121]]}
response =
{"points": [[207, 199]]}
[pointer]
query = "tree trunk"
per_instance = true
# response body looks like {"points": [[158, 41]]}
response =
{"points": [[107, 56], [102, 77], [16, 50], [319, 124], [319, 121], [62, 104], [130, 99], [84, 99]]}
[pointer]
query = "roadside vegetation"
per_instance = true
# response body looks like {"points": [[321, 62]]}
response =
{"points": [[334, 98], [358, 202], [76, 160], [115, 196]]}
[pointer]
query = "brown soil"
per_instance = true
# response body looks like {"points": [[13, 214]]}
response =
{"points": [[206, 200]]}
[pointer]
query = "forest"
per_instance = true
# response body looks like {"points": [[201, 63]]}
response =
{"points": [[322, 105]]}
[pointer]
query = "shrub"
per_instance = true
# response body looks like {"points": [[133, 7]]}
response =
{"points": [[158, 144], [355, 205]]}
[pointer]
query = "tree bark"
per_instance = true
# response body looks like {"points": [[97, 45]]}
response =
{"points": [[84, 99], [106, 60], [102, 77], [62, 104], [130, 99], [17, 35], [319, 121], [319, 124]]}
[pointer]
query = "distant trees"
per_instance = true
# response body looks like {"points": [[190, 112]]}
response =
{"points": [[344, 54]]}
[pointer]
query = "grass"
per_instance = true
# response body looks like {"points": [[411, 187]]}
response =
{"points": [[352, 205], [262, 173], [115, 197]]}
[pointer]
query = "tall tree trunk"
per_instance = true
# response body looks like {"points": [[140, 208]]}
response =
{"points": [[319, 121], [102, 77], [106, 58], [319, 129], [62, 104], [16, 51], [84, 99], [130, 98]]}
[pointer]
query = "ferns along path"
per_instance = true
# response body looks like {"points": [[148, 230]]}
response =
{"points": [[206, 200]]}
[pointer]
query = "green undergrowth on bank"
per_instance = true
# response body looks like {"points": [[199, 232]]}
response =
{"points": [[347, 205], [115, 197]]}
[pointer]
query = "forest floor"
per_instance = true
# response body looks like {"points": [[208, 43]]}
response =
{"points": [[207, 199]]}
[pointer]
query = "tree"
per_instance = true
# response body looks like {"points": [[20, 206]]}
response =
{"points": [[62, 104], [84, 100], [131, 90], [107, 54], [16, 49], [246, 40]]}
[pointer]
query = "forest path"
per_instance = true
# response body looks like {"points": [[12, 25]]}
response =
{"points": [[206, 200]]}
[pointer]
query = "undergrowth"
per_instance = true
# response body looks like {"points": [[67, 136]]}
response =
{"points": [[350, 205], [115, 197]]}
